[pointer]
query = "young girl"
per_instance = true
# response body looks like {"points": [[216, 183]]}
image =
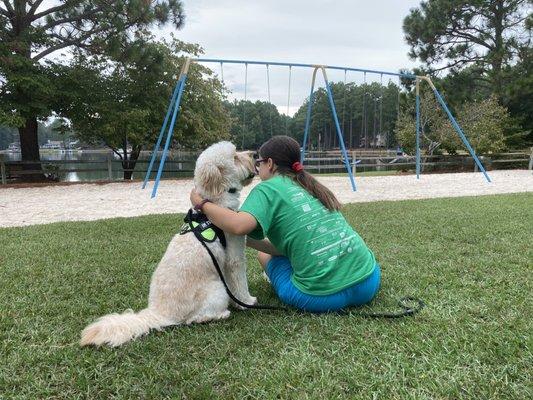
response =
{"points": [[314, 259]]}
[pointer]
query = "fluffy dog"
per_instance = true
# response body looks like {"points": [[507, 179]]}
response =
{"points": [[185, 286]]}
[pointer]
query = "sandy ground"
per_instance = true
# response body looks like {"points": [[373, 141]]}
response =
{"points": [[86, 202]]}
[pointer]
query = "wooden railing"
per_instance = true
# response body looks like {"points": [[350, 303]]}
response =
{"points": [[321, 162], [316, 162], [11, 170]]}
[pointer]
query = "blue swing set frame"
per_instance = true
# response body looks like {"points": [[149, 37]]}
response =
{"points": [[174, 106]]}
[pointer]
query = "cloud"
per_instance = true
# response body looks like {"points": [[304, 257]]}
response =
{"points": [[360, 34]]}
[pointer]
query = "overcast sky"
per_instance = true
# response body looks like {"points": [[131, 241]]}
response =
{"points": [[362, 34]]}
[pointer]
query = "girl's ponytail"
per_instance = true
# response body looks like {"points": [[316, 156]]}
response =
{"points": [[316, 189], [285, 152]]}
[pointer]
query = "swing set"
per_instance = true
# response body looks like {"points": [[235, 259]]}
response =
{"points": [[174, 106]]}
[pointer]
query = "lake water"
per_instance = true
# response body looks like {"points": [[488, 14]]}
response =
{"points": [[178, 164]]}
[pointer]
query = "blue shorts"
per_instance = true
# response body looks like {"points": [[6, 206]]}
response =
{"points": [[279, 271]]}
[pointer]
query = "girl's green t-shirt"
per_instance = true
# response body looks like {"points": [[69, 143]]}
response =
{"points": [[325, 252]]}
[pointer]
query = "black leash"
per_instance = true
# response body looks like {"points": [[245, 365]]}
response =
{"points": [[203, 223], [402, 303], [232, 297]]}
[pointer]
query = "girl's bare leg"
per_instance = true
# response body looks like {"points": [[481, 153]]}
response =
{"points": [[263, 258]]}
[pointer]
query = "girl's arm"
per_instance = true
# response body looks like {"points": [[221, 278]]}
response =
{"points": [[262, 245], [236, 223]]}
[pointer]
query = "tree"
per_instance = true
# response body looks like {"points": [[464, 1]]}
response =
{"points": [[483, 122], [7, 136], [32, 30], [121, 101], [366, 113], [433, 134], [518, 97], [253, 123], [485, 34]]}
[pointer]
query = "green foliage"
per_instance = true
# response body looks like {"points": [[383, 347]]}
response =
{"points": [[32, 30], [485, 33], [483, 122], [518, 97], [433, 135], [252, 124], [485, 45], [369, 109], [28, 86], [466, 85], [405, 133], [122, 99], [26, 89], [7, 135], [373, 106], [46, 132]]}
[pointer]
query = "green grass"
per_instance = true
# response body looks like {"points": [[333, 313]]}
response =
{"points": [[470, 259]]}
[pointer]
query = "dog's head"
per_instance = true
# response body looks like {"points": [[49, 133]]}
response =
{"points": [[220, 168]]}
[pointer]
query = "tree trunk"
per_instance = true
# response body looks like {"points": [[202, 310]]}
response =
{"points": [[351, 132], [497, 55], [129, 163], [29, 147]]}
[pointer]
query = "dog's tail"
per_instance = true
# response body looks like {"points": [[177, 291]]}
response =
{"points": [[117, 329]]}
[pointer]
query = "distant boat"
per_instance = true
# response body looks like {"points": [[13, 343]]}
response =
{"points": [[53, 145], [14, 148]]}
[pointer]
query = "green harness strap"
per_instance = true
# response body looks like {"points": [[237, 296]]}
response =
{"points": [[203, 229]]}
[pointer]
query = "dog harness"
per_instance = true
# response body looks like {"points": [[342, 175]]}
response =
{"points": [[203, 229], [206, 232]]}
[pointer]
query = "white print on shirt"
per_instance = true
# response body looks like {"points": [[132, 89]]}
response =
{"points": [[327, 226], [331, 245], [314, 219], [312, 240], [297, 197]]}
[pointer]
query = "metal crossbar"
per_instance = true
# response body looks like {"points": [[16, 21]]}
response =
{"points": [[282, 64], [173, 109]]}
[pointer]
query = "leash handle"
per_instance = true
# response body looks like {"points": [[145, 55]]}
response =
{"points": [[402, 303]]}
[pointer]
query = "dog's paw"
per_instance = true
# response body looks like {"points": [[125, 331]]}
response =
{"points": [[250, 300]]}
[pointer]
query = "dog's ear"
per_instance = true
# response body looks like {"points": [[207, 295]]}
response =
{"points": [[211, 178]]}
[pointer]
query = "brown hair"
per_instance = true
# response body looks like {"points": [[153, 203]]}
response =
{"points": [[285, 151]]}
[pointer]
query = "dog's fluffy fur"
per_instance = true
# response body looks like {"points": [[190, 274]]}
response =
{"points": [[185, 287]]}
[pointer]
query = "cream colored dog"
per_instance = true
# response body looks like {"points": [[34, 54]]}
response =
{"points": [[185, 286]]}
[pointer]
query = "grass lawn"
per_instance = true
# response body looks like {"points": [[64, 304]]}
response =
{"points": [[470, 259]]}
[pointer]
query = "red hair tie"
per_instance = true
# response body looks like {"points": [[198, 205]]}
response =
{"points": [[297, 167]]}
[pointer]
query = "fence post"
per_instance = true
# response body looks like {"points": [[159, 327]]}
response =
{"points": [[109, 167], [530, 167], [481, 158], [354, 168], [488, 163], [3, 172]]}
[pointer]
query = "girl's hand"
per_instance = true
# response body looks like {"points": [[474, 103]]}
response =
{"points": [[195, 198]]}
